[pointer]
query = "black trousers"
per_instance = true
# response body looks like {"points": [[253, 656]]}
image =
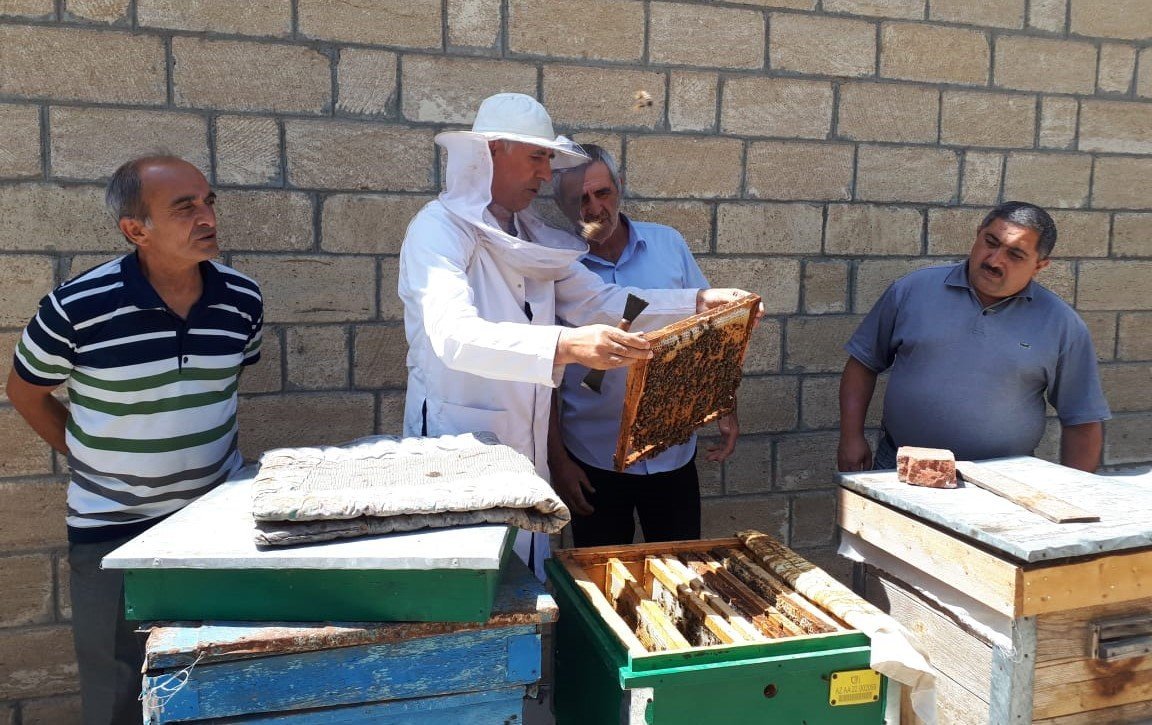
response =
{"points": [[668, 505]]}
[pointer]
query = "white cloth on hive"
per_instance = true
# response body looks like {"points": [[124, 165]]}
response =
{"points": [[386, 484]]}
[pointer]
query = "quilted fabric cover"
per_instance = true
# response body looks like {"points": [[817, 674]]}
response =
{"points": [[385, 484]]}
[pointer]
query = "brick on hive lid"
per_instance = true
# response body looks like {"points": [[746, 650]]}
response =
{"points": [[931, 467]]}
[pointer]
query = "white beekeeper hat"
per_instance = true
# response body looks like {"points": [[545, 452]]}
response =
{"points": [[517, 117]]}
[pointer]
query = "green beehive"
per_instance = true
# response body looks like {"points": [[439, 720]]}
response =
{"points": [[606, 671]]}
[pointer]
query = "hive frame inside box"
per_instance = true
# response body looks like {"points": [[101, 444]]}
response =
{"points": [[597, 650], [654, 397]]}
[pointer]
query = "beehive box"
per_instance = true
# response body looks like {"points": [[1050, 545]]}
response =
{"points": [[616, 661], [202, 563], [1026, 620]]}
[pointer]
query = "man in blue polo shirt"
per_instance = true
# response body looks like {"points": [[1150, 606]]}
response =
{"points": [[974, 348], [151, 346], [663, 491]]}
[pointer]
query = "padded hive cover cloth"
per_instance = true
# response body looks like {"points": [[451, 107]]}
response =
{"points": [[384, 484]]}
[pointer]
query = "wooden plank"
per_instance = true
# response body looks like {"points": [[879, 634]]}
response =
{"points": [[1108, 579], [1137, 712], [741, 624], [1035, 500], [983, 576], [596, 598], [703, 625], [1122, 503], [765, 617], [650, 623], [810, 618], [1010, 700]]}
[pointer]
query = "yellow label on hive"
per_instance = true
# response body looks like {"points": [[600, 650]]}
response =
{"points": [[854, 687]]}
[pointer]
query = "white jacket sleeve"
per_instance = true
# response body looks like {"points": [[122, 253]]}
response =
{"points": [[582, 298], [439, 300]]}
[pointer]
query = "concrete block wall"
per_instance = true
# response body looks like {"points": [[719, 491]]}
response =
{"points": [[811, 150]]}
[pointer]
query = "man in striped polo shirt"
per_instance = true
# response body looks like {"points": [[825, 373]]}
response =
{"points": [[151, 346]]}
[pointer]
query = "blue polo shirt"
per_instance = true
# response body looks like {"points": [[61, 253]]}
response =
{"points": [[152, 397], [656, 257], [973, 379]]}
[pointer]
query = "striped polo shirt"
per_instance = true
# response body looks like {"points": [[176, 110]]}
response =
{"points": [[152, 397]]}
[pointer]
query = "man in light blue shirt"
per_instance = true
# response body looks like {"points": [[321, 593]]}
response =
{"points": [[664, 491]]}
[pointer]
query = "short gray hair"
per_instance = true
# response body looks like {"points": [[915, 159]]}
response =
{"points": [[599, 153], [123, 195]]}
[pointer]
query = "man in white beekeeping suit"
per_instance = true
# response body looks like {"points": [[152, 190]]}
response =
{"points": [[484, 283]]}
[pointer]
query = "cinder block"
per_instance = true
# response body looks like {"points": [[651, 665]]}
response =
{"points": [[27, 582], [993, 13], [1102, 327], [41, 62], [815, 344], [37, 662], [24, 279], [692, 101], [1111, 285], [747, 471], [449, 90], [473, 23], [303, 419], [1134, 336], [775, 279], [1127, 439], [807, 461], [827, 558], [312, 288], [799, 171], [913, 174], [693, 219], [982, 176], [952, 231], [378, 357], [239, 76], [888, 112], [317, 357], [1117, 68], [247, 150], [1058, 117], [347, 155], [865, 229], [1050, 15], [1042, 64], [33, 510], [403, 23], [1048, 179], [98, 11], [1128, 388], [254, 17], [825, 287], [1121, 182], [821, 46], [602, 97], [391, 308], [265, 376], [1144, 74], [684, 166], [765, 347], [20, 154], [51, 711], [787, 4], [972, 118], [874, 276], [814, 515], [90, 143], [390, 413], [367, 224], [8, 341], [1128, 19], [820, 402], [367, 80], [705, 36], [577, 30], [766, 228], [1132, 235], [722, 517], [37, 9], [933, 53], [1081, 233], [782, 107], [1116, 127], [1060, 278], [907, 9], [768, 404], [267, 221]]}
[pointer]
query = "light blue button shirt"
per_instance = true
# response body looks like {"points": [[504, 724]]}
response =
{"points": [[656, 257]]}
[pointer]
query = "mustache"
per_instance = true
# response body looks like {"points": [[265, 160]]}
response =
{"points": [[992, 271]]}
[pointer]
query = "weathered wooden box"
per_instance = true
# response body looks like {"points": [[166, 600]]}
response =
{"points": [[605, 674], [1026, 620], [202, 563], [426, 673]]}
